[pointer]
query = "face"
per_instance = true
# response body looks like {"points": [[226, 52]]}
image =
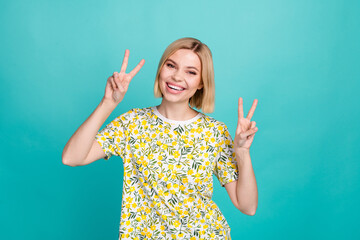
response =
{"points": [[180, 76]]}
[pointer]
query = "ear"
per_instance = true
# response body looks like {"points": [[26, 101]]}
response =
{"points": [[201, 85]]}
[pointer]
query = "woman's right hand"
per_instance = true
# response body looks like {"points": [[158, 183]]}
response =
{"points": [[117, 84]]}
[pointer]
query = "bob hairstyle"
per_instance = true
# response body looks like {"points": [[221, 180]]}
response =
{"points": [[203, 98]]}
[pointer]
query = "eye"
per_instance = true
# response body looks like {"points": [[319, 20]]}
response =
{"points": [[169, 65], [194, 73]]}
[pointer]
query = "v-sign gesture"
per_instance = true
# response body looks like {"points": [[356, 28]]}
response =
{"points": [[246, 129], [117, 84]]}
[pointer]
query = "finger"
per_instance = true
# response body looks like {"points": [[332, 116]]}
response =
{"points": [[121, 87], [253, 126], [252, 109], [118, 83], [117, 79], [125, 61], [113, 84], [250, 132], [137, 68], [251, 137], [240, 110]]}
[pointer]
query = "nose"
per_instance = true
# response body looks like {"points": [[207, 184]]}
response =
{"points": [[177, 76]]}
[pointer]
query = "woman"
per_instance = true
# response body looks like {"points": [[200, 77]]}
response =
{"points": [[170, 151]]}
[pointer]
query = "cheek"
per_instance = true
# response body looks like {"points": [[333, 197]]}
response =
{"points": [[163, 75], [196, 82]]}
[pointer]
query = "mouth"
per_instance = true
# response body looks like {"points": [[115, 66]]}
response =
{"points": [[174, 87]]}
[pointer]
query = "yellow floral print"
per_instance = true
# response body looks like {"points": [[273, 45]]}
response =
{"points": [[168, 168]]}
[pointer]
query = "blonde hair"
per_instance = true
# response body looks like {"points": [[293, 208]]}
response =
{"points": [[203, 98]]}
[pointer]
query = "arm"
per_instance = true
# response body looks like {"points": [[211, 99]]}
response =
{"points": [[82, 141], [243, 192], [247, 192], [82, 147]]}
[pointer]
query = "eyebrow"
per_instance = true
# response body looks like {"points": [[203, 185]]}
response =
{"points": [[187, 66]]}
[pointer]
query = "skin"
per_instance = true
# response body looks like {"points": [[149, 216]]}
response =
{"points": [[117, 84], [176, 70], [243, 192], [82, 148]]}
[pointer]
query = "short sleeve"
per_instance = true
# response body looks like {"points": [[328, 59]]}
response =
{"points": [[112, 138], [226, 169]]}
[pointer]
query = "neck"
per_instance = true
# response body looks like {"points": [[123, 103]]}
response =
{"points": [[176, 111]]}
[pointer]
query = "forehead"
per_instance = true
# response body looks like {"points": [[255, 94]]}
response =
{"points": [[186, 57]]}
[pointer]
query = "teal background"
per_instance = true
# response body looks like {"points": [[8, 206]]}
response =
{"points": [[300, 59]]}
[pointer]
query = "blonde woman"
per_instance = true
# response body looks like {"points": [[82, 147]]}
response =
{"points": [[171, 151]]}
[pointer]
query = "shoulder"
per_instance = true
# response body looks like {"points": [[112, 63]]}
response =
{"points": [[135, 114], [213, 123]]}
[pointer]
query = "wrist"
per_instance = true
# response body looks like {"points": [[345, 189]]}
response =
{"points": [[242, 155], [242, 149], [242, 152], [108, 104]]}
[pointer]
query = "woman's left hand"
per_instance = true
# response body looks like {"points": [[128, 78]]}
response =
{"points": [[246, 129]]}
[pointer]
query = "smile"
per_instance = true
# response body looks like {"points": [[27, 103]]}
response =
{"points": [[176, 88]]}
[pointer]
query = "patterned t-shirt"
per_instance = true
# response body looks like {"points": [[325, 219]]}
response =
{"points": [[168, 169]]}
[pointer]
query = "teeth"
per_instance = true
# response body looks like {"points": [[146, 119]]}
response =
{"points": [[175, 88]]}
